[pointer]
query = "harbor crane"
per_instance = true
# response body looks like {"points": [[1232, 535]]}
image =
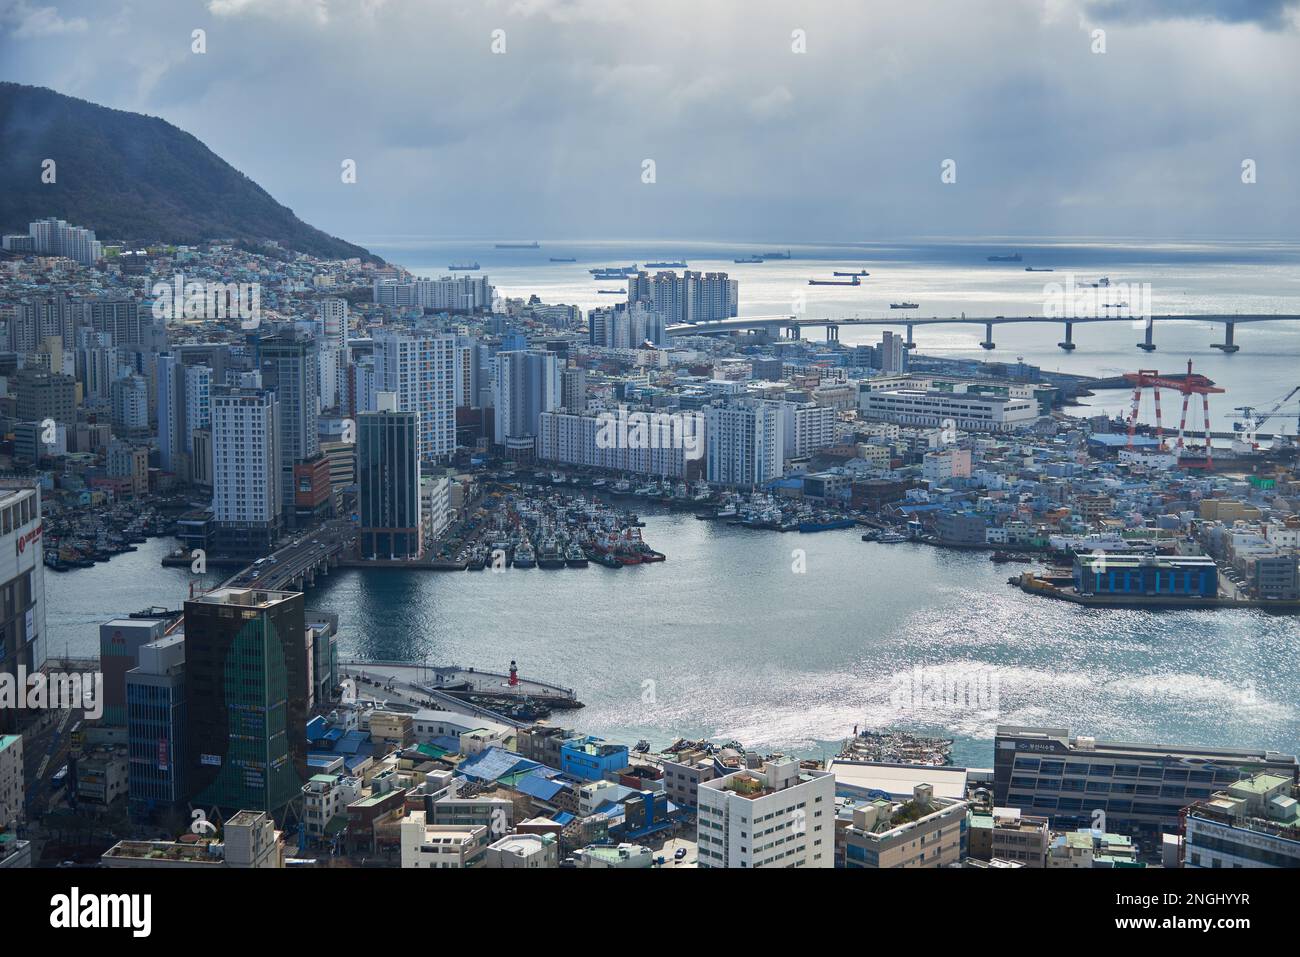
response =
{"points": [[1254, 420], [1189, 385]]}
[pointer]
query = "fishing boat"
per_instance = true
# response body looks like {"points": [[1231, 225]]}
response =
{"points": [[525, 557]]}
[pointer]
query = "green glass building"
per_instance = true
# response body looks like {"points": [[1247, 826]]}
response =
{"points": [[246, 688]]}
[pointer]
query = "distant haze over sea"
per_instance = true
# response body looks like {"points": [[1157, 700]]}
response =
{"points": [[952, 277]]}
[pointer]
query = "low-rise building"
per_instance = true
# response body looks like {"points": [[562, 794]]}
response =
{"points": [[426, 845], [629, 856], [927, 831], [1254, 823], [524, 851]]}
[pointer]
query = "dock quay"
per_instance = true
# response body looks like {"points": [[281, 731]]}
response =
{"points": [[897, 747], [1032, 584], [492, 694], [548, 529]]}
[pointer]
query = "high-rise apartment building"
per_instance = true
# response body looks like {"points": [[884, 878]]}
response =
{"points": [[527, 384], [746, 442], [246, 502], [289, 366], [690, 297], [419, 367]]}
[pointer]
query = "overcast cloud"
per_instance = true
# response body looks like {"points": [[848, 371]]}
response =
{"points": [[750, 140]]}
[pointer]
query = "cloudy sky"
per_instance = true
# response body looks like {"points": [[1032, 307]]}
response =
{"points": [[750, 139]]}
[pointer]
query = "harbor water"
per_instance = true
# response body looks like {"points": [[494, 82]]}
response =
{"points": [[726, 639]]}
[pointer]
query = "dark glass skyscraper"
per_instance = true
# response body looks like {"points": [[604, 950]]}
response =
{"points": [[246, 688], [388, 481]]}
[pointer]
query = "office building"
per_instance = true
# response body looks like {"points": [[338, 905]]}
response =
{"points": [[968, 411], [1139, 788], [41, 394], [388, 481], [156, 721], [246, 688], [120, 641]]}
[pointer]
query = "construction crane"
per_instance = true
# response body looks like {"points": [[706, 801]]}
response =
{"points": [[1254, 421], [1189, 385]]}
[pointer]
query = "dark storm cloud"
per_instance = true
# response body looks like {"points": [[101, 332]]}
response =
{"points": [[750, 139]]}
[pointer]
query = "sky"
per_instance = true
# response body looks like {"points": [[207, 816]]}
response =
{"points": [[766, 121]]}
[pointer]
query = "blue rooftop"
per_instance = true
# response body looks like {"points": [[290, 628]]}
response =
{"points": [[494, 763]]}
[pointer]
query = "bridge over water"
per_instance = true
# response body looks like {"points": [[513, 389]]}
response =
{"points": [[792, 326]]}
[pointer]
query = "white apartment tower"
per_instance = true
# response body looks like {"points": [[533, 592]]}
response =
{"points": [[781, 816], [246, 458], [746, 442], [420, 368]]}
